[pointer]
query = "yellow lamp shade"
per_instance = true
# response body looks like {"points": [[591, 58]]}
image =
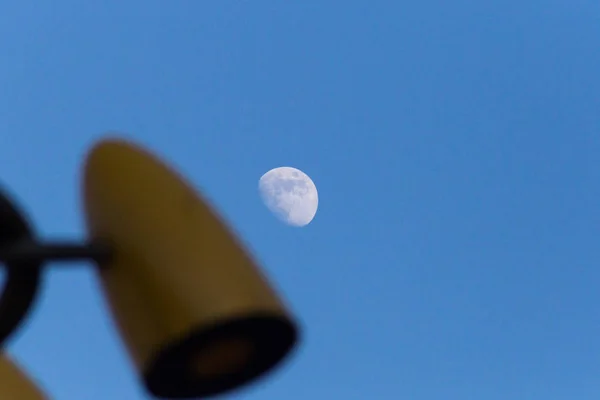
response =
{"points": [[193, 308], [14, 384]]}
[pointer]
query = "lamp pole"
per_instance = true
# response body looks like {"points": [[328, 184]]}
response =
{"points": [[23, 258]]}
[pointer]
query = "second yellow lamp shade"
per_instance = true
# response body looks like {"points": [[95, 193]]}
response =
{"points": [[14, 384]]}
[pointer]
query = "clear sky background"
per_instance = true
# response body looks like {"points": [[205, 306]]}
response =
{"points": [[455, 146]]}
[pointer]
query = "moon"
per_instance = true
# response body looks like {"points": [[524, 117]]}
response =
{"points": [[290, 194]]}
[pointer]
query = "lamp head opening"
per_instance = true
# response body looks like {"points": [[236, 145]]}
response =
{"points": [[220, 358]]}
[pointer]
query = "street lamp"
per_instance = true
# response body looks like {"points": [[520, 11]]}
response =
{"points": [[194, 310]]}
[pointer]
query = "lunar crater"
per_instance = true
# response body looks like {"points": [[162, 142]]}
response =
{"points": [[290, 194]]}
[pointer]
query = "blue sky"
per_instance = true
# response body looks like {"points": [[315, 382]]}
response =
{"points": [[455, 146]]}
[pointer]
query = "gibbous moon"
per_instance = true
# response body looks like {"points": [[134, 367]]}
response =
{"points": [[290, 194]]}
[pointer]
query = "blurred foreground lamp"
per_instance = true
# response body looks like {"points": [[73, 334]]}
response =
{"points": [[14, 384], [197, 315]]}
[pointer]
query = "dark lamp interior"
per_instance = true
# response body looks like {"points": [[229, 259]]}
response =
{"points": [[224, 356], [216, 359]]}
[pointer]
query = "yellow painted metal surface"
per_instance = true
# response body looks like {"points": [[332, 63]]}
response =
{"points": [[14, 384]]}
